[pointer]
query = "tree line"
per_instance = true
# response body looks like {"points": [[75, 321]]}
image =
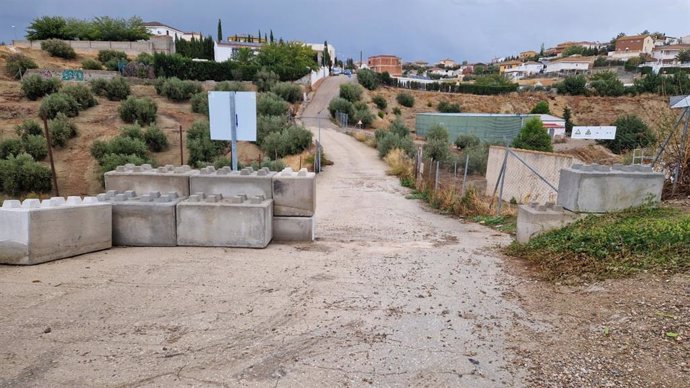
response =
{"points": [[102, 28]]}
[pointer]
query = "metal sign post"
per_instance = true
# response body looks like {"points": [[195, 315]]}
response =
{"points": [[233, 131]]}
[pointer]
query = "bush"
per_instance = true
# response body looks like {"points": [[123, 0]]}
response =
{"points": [[390, 141], [351, 92], [437, 149], [58, 48], [266, 79], [542, 108], [573, 85], [405, 99], [123, 145], [141, 110], [478, 159], [362, 114], [178, 90], [81, 94], [199, 103], [631, 133], [266, 125], [533, 136], [36, 146], [17, 64], [200, 147], [109, 162], [289, 92], [99, 86], [467, 141], [58, 103], [438, 132], [133, 131], [380, 101], [381, 114], [10, 147], [21, 174], [397, 111], [117, 89], [61, 130], [447, 107], [230, 86], [341, 105], [271, 105], [292, 140], [398, 127], [91, 64], [155, 139], [368, 79], [144, 59], [607, 83], [34, 86], [28, 128], [108, 55]]}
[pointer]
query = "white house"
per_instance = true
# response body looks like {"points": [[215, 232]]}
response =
{"points": [[318, 48], [443, 72], [160, 29], [554, 125], [570, 65], [225, 50], [524, 70], [667, 54]]}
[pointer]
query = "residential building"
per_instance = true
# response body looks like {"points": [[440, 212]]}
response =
{"points": [[160, 29], [525, 70], [318, 49], [447, 63], [386, 63], [446, 73], [229, 49], [558, 50], [632, 46], [528, 54], [570, 65], [668, 54], [504, 66]]}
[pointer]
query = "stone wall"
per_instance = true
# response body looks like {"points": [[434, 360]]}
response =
{"points": [[77, 75], [154, 45]]}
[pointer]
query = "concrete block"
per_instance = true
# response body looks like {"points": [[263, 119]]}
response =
{"points": [[600, 189], [148, 220], [34, 231], [230, 183], [145, 179], [217, 221], [294, 228], [294, 193], [535, 219]]}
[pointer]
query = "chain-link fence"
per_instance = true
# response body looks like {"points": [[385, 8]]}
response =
{"points": [[342, 119]]}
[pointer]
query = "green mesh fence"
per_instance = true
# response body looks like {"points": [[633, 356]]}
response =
{"points": [[490, 128]]}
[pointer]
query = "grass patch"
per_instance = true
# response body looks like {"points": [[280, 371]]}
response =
{"points": [[503, 223], [613, 245]]}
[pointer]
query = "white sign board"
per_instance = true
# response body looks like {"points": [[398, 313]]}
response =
{"points": [[680, 101], [245, 115], [596, 133]]}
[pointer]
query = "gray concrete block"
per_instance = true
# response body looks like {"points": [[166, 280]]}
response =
{"points": [[147, 220], [34, 231], [294, 193], [600, 189], [294, 228], [230, 183], [217, 221], [145, 179], [535, 219]]}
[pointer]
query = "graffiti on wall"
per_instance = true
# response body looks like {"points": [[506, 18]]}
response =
{"points": [[73, 75]]}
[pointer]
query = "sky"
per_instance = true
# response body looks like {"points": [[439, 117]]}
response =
{"points": [[431, 30]]}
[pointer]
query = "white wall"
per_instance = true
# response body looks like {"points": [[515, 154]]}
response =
{"points": [[318, 75], [556, 67]]}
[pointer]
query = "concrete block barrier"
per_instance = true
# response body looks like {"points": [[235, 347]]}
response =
{"points": [[294, 229], [294, 193], [148, 220], [35, 231], [535, 219], [230, 183], [216, 221], [600, 189], [146, 179]]}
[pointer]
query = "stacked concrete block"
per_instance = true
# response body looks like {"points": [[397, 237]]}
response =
{"points": [[230, 183], [294, 196], [600, 189], [535, 219], [145, 179], [34, 231], [148, 220], [217, 221]]}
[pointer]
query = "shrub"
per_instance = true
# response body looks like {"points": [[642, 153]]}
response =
{"points": [[61, 130], [109, 162], [21, 174], [271, 105], [438, 132], [158, 85], [141, 110], [447, 107], [34, 86], [397, 111], [381, 114], [36, 146], [155, 139], [134, 131], [199, 103], [368, 79], [139, 70], [467, 141], [288, 91], [362, 114], [99, 86], [58, 103], [380, 101], [542, 107], [266, 79], [533, 136], [405, 99], [144, 59], [292, 140], [607, 83], [28, 128], [123, 145], [631, 133], [390, 141], [351, 92], [10, 147], [230, 86], [342, 105], [99, 149], [108, 55], [478, 158], [17, 64], [573, 85], [398, 127], [178, 90], [91, 64], [81, 94], [200, 147], [266, 125], [117, 89], [437, 149], [58, 48]]}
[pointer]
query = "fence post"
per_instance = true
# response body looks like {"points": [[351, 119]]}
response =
{"points": [[500, 192], [464, 179], [455, 172], [436, 178]]}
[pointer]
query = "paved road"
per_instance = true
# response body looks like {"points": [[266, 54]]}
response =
{"points": [[390, 294]]}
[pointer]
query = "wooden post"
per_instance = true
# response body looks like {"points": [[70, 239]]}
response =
{"points": [[50, 156], [181, 148]]}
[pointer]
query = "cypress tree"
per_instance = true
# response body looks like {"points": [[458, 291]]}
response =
{"points": [[271, 36], [220, 31]]}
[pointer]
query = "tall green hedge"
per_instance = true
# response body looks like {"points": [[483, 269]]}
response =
{"points": [[184, 68]]}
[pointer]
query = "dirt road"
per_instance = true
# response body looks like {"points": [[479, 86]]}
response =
{"points": [[390, 294]]}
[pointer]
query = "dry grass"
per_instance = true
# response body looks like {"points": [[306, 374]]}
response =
{"points": [[399, 164], [360, 136]]}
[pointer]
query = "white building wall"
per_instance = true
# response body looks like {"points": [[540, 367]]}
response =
{"points": [[557, 67]]}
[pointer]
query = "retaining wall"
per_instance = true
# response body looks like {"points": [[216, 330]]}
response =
{"points": [[74, 74], [154, 45]]}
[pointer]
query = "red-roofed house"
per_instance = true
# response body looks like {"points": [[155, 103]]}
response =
{"points": [[632, 46], [668, 54]]}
